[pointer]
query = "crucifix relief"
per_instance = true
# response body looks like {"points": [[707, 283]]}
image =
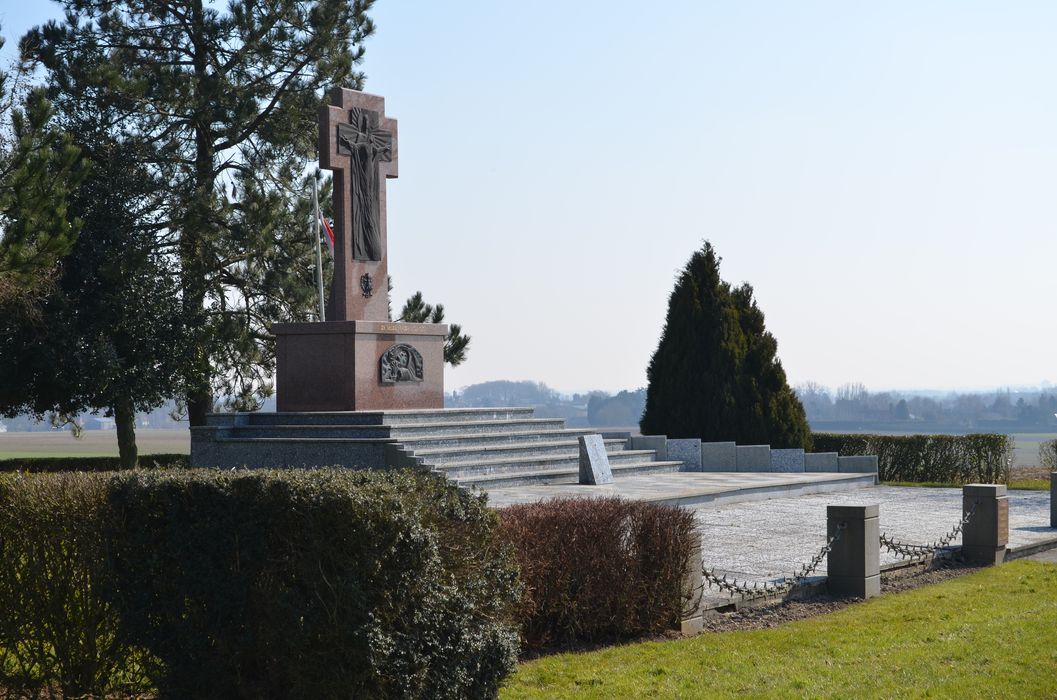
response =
{"points": [[358, 143], [366, 145]]}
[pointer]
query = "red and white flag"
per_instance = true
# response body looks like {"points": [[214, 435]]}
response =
{"points": [[330, 233]]}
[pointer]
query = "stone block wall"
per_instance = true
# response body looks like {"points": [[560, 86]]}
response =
{"points": [[731, 457], [754, 458], [687, 451], [719, 457], [788, 460]]}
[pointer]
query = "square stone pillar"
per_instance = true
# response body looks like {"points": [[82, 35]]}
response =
{"points": [[692, 620], [1053, 499], [985, 536], [853, 566]]}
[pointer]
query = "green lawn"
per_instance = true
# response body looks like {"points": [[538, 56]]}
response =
{"points": [[991, 634]]}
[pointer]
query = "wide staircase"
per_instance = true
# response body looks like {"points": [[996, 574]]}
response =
{"points": [[488, 448]]}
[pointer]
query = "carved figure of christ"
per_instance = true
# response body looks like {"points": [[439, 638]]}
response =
{"points": [[366, 145]]}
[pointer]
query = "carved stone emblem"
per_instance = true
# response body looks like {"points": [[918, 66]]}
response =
{"points": [[366, 285], [401, 363]]}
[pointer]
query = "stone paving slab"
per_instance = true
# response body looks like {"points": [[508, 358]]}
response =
{"points": [[768, 539], [687, 488]]}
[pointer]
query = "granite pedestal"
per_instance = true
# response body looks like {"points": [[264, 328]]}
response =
{"points": [[337, 366]]}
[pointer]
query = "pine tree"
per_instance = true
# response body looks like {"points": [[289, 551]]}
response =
{"points": [[715, 374], [37, 168], [227, 99], [416, 310]]}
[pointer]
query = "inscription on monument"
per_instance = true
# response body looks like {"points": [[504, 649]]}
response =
{"points": [[366, 145], [366, 285], [401, 363]]}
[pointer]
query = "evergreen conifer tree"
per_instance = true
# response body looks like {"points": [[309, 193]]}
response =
{"points": [[106, 334], [715, 374], [456, 344], [226, 95], [37, 169]]}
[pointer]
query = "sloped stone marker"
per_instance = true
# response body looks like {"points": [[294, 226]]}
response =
{"points": [[594, 462]]}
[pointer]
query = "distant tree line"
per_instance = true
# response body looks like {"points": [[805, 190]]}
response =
{"points": [[993, 410]]}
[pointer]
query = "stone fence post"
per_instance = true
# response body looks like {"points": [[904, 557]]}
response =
{"points": [[693, 593], [985, 536], [1053, 499], [854, 563]]}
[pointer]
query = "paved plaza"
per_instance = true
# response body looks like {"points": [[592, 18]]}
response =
{"points": [[768, 539], [690, 489]]}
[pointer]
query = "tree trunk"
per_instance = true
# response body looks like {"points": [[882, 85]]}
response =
{"points": [[196, 230], [125, 419]]}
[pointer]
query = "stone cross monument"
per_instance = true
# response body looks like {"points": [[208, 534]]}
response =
{"points": [[358, 143], [358, 359]]}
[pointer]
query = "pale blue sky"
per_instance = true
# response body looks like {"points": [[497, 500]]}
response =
{"points": [[884, 174]]}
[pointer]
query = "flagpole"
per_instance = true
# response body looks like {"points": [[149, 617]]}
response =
{"points": [[319, 253]]}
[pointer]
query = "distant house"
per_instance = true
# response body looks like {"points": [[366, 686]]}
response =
{"points": [[98, 423], [3, 428]]}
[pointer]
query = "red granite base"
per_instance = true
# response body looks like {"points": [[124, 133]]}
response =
{"points": [[336, 366]]}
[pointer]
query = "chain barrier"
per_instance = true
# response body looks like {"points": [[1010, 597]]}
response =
{"points": [[927, 552], [751, 589]]}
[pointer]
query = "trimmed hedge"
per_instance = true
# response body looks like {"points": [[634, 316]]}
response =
{"points": [[56, 632], [91, 464], [958, 459], [323, 583], [597, 569]]}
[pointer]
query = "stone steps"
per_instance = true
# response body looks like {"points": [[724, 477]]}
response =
{"points": [[367, 418], [563, 475], [427, 442], [485, 465], [532, 448], [477, 447], [476, 427]]}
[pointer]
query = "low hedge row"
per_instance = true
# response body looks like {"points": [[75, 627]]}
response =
{"points": [[90, 464], [328, 583], [959, 459], [599, 569], [321, 583]]}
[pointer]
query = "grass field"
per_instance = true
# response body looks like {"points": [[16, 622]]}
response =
{"points": [[989, 634], [1026, 452], [93, 443]]}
